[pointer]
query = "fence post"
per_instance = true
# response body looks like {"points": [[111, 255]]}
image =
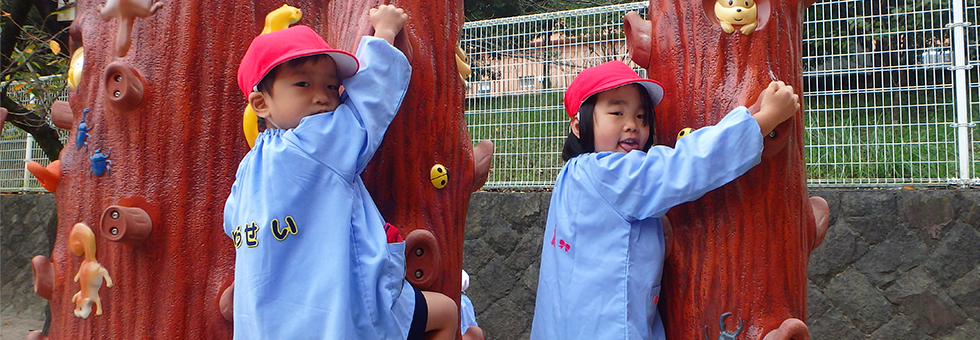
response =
{"points": [[28, 152], [962, 98]]}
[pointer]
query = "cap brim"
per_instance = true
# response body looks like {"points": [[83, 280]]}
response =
{"points": [[654, 89], [346, 63]]}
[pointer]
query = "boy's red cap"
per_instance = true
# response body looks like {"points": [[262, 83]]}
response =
{"points": [[271, 49], [607, 76]]}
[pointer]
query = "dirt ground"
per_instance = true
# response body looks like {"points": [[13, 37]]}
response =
{"points": [[17, 326]]}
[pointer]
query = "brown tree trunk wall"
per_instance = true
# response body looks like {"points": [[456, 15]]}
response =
{"points": [[428, 130], [743, 248], [179, 148]]}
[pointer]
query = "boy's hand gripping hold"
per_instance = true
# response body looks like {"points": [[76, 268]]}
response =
{"points": [[387, 21]]}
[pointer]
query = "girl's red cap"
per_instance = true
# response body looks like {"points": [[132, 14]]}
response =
{"points": [[271, 49], [607, 76]]}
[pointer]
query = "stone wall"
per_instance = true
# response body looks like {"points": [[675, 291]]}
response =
{"points": [[27, 225], [896, 264]]}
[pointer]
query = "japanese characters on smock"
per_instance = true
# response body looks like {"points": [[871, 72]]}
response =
{"points": [[312, 261], [603, 250]]}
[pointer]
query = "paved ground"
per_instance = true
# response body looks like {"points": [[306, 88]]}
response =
{"points": [[17, 327]]}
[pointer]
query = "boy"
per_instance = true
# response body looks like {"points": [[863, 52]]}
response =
{"points": [[312, 259]]}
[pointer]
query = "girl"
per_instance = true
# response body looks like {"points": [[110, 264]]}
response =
{"points": [[603, 250]]}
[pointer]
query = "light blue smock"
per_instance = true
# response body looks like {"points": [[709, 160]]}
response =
{"points": [[467, 316], [603, 250], [312, 260]]}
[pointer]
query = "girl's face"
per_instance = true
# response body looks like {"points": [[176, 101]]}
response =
{"points": [[618, 120]]}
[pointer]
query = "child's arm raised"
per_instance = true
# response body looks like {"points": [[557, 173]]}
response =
{"points": [[387, 21], [776, 104]]}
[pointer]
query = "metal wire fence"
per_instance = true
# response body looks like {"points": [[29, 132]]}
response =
{"points": [[891, 92], [520, 69], [883, 102]]}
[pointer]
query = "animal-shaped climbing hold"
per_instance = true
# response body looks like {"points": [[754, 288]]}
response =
{"points": [[737, 12], [81, 242], [723, 333], [126, 12], [101, 163], [439, 176], [684, 132], [278, 19], [281, 18], [81, 136]]}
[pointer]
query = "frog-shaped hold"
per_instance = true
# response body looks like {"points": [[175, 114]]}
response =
{"points": [[737, 12]]}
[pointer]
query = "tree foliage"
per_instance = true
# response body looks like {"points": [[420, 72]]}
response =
{"points": [[31, 46]]}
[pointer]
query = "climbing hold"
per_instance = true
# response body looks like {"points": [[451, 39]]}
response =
{"points": [[81, 136], [75, 68], [281, 18], [461, 65], [422, 259], [130, 225], [101, 163], [278, 19], [123, 87], [81, 242], [684, 132], [126, 12], [61, 115], [49, 176], [43, 272], [736, 12], [226, 303], [439, 176]]}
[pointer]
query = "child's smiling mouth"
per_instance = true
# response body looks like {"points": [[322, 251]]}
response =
{"points": [[629, 144]]}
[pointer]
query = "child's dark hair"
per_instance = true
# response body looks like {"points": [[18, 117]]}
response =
{"points": [[265, 85], [575, 146]]}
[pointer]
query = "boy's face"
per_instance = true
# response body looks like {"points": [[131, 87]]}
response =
{"points": [[618, 120], [299, 91]]}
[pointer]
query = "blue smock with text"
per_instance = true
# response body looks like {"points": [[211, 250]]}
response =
{"points": [[603, 250], [311, 258]]}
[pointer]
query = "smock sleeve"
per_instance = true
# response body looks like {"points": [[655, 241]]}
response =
{"points": [[642, 185], [348, 137]]}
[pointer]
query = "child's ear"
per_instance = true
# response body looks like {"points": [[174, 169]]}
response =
{"points": [[259, 104], [574, 126]]}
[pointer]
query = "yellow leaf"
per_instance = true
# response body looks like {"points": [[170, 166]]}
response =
{"points": [[29, 50], [55, 47], [18, 87]]}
